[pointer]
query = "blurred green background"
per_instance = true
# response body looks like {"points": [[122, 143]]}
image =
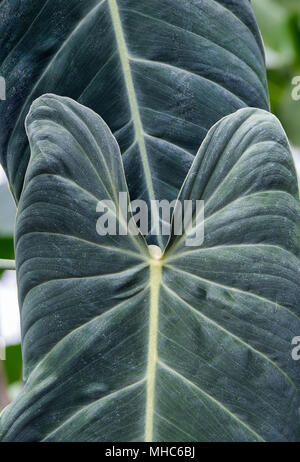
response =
{"points": [[279, 22]]}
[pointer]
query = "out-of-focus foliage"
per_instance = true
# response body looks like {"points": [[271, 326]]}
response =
{"points": [[279, 22], [6, 247], [7, 220], [8, 212], [12, 366]]}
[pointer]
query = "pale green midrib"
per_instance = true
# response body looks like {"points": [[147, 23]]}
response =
{"points": [[134, 108], [155, 284]]}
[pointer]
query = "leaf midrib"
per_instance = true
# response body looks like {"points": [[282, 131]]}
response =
{"points": [[155, 284], [133, 103]]}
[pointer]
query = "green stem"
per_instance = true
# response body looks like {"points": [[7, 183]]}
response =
{"points": [[7, 264]]}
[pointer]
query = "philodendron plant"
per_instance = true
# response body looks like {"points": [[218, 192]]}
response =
{"points": [[134, 337]]}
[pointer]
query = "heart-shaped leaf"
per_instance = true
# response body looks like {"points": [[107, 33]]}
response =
{"points": [[119, 345], [159, 72]]}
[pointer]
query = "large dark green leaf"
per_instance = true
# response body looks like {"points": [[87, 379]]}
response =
{"points": [[159, 72], [119, 346]]}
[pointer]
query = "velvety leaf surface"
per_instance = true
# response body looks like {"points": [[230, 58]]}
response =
{"points": [[159, 72], [119, 346], [72, 282]]}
